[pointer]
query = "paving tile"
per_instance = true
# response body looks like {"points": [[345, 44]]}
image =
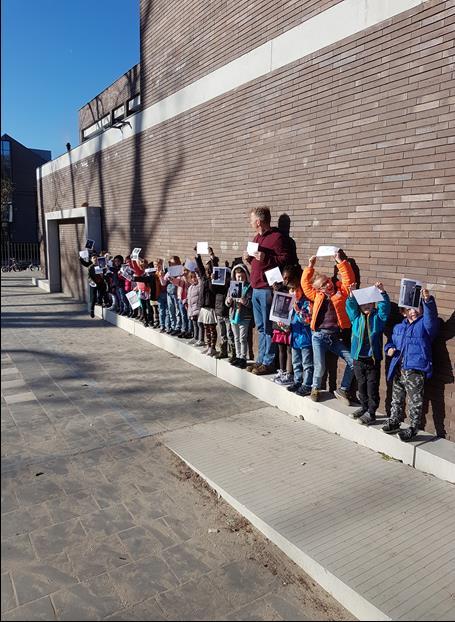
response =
{"points": [[199, 599], [16, 551], [71, 506], [8, 597], [55, 539], [108, 521], [96, 557], [91, 600], [141, 542], [258, 610], [26, 396], [41, 609], [9, 501], [143, 579], [39, 579], [24, 520], [150, 506], [147, 610], [39, 490], [186, 561]]}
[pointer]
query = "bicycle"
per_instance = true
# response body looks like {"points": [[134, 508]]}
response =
{"points": [[12, 266]]}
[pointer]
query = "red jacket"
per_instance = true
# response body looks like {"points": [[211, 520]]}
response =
{"points": [[275, 246], [143, 287]]}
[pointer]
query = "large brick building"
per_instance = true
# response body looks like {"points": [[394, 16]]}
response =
{"points": [[338, 113]]}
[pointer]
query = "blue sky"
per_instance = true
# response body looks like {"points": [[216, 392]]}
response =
{"points": [[56, 56]]}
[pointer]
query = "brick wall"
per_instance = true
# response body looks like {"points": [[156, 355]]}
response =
{"points": [[355, 143], [115, 95]]}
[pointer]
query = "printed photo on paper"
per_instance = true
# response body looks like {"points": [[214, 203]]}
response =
{"points": [[90, 244], [133, 299], [282, 306], [219, 276], [410, 294], [235, 289]]}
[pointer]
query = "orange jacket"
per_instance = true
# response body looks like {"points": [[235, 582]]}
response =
{"points": [[338, 299]]}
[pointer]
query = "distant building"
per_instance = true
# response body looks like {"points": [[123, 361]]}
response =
{"points": [[19, 164]]}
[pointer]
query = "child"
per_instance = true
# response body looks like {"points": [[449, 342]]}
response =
{"points": [[119, 285], [152, 281], [281, 335], [329, 318], [222, 315], [175, 322], [162, 296], [368, 322], [182, 295], [302, 351], [207, 313], [240, 314], [410, 351], [194, 307], [143, 289], [98, 287]]}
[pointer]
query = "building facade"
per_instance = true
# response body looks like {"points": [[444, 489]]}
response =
{"points": [[338, 113], [18, 165]]}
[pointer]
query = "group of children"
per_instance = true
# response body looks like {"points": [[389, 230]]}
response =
{"points": [[326, 317]]}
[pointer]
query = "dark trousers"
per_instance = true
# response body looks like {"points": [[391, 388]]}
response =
{"points": [[368, 376], [146, 311], [98, 295]]}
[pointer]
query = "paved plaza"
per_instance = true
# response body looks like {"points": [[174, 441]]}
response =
{"points": [[99, 519]]}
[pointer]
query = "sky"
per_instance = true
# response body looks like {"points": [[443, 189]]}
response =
{"points": [[56, 56]]}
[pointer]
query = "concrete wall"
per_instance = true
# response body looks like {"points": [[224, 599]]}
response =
{"points": [[354, 141]]}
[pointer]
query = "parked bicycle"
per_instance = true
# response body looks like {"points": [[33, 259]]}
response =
{"points": [[14, 266]]}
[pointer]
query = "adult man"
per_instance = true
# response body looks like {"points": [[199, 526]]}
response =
{"points": [[273, 251]]}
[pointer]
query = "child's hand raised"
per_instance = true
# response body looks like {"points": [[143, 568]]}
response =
{"points": [[380, 286], [351, 289], [425, 295], [391, 351], [312, 261], [340, 255]]}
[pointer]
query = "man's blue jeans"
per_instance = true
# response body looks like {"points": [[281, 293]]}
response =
{"points": [[302, 364], [323, 342], [262, 303]]}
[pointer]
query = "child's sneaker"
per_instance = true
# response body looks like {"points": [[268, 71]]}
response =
{"points": [[407, 434], [191, 342], [277, 377], [357, 413], [241, 364], [286, 379], [294, 387], [342, 395], [391, 427], [303, 391], [314, 395], [211, 352], [367, 419], [199, 344], [205, 350]]}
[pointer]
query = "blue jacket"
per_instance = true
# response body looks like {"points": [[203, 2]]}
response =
{"points": [[374, 323], [412, 341], [300, 325]]}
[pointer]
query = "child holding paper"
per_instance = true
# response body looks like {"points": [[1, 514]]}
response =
{"points": [[162, 296], [302, 350], [368, 322], [194, 308], [240, 314], [410, 351], [119, 285], [281, 336], [329, 318], [143, 288], [175, 322], [207, 315]]}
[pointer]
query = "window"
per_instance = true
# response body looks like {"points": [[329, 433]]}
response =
{"points": [[134, 103], [97, 127], [118, 113], [6, 158]]}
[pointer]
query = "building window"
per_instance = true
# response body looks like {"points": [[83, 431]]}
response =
{"points": [[134, 103], [6, 159], [97, 127], [118, 113]]}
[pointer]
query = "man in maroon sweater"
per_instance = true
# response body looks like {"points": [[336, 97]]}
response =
{"points": [[273, 251]]}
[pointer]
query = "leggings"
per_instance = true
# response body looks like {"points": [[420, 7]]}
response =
{"points": [[146, 311], [198, 329], [210, 335], [284, 355]]}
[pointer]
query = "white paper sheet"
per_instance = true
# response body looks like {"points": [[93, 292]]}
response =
{"points": [[133, 300], [410, 294], [282, 307], [84, 255], [366, 295], [135, 253], [327, 251], [202, 248], [98, 270], [251, 248], [149, 270], [273, 276], [191, 265], [174, 271]]}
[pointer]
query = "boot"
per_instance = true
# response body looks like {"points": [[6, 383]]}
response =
{"points": [[223, 353]]}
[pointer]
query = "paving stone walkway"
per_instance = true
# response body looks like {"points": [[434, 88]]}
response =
{"points": [[99, 519]]}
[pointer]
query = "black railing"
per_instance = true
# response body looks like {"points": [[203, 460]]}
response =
{"points": [[23, 252]]}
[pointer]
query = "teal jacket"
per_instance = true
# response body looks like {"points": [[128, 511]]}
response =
{"points": [[374, 323]]}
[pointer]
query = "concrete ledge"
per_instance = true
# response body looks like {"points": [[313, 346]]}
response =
{"points": [[427, 453], [41, 283], [437, 457]]}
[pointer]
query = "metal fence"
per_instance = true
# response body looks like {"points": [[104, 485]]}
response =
{"points": [[22, 252]]}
